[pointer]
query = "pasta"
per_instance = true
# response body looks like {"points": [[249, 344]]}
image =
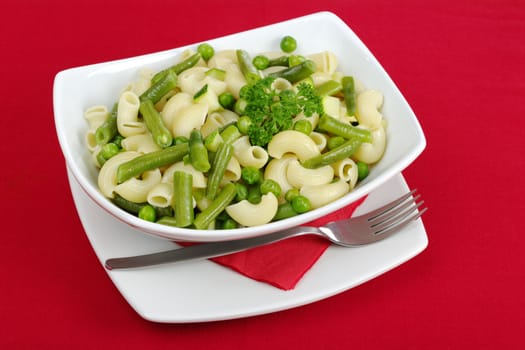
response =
{"points": [[368, 104], [189, 118], [320, 195], [142, 143], [95, 117], [107, 177], [235, 147], [248, 155], [298, 176], [248, 214], [294, 142], [127, 115], [370, 153]]}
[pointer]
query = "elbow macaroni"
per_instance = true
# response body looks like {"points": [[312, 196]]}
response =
{"points": [[127, 115], [248, 214]]}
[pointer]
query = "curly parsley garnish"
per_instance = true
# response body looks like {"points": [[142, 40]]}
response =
{"points": [[271, 111]]}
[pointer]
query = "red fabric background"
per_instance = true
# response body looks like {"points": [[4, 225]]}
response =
{"points": [[459, 63]]}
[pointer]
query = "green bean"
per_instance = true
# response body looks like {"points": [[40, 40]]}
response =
{"points": [[108, 130], [339, 128], [134, 208], [251, 74], [160, 133], [212, 141], [167, 220], [107, 151], [295, 73], [329, 87], [201, 92], [157, 90], [198, 152], [216, 73], [230, 133], [221, 201], [183, 199], [178, 68], [349, 94], [339, 153], [220, 162], [279, 61], [152, 160]]}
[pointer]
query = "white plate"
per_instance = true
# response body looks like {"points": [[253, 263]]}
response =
{"points": [[180, 293]]}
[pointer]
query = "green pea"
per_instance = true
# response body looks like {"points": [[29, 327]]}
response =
{"points": [[251, 175], [243, 124], [291, 194], [147, 213], [303, 126], [269, 185], [294, 60], [335, 141], [254, 194], [206, 51], [261, 62], [229, 224], [226, 100], [301, 204], [242, 191], [240, 106], [117, 140], [288, 44], [362, 170], [180, 139], [109, 150]]}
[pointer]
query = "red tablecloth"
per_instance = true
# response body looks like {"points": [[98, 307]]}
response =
{"points": [[461, 66]]}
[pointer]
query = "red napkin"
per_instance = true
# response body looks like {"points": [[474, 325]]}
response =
{"points": [[283, 264]]}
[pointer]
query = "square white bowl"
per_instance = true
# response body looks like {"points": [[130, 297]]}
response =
{"points": [[76, 89]]}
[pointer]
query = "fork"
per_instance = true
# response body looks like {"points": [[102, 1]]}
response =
{"points": [[360, 230]]}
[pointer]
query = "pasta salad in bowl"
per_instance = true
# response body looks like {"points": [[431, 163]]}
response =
{"points": [[237, 136]]}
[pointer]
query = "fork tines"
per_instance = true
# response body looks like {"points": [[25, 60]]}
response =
{"points": [[397, 214]]}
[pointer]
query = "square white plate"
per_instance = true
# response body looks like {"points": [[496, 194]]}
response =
{"points": [[180, 293]]}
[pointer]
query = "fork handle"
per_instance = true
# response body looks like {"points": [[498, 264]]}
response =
{"points": [[205, 250]]}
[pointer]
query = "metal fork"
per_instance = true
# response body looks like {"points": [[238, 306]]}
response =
{"points": [[365, 229]]}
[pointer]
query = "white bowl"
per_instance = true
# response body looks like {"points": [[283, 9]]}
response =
{"points": [[76, 89]]}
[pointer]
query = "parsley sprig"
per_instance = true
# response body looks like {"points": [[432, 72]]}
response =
{"points": [[271, 111]]}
